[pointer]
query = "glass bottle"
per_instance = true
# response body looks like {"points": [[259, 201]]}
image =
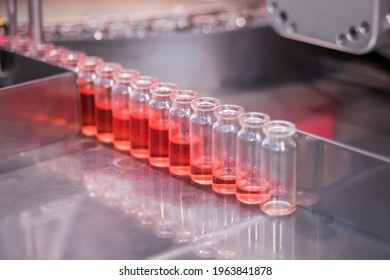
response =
{"points": [[224, 140], [103, 87], [139, 116], [120, 108], [70, 60], [201, 126], [179, 132], [159, 106], [279, 159], [249, 167], [86, 78], [39, 50], [54, 55]]}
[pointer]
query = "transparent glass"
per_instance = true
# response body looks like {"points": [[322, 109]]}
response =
{"points": [[224, 142], [139, 116], [39, 50], [159, 107], [120, 108], [201, 126], [249, 188], [85, 81], [279, 159], [179, 132], [103, 103], [70, 60], [54, 55]]}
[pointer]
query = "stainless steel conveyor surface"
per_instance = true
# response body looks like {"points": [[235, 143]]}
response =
{"points": [[79, 199]]}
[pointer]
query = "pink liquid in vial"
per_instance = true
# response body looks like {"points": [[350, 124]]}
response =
{"points": [[159, 147], [139, 133], [179, 157]]}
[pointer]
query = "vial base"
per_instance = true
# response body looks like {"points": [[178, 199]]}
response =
{"points": [[139, 153], [202, 174], [252, 194], [179, 157], [180, 170], [89, 130], [277, 208], [87, 100], [104, 124], [139, 136], [121, 131], [159, 161], [121, 145], [224, 184]]}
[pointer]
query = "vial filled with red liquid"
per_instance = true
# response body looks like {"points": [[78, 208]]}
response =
{"points": [[70, 60], [103, 106], [224, 139], [86, 78], [179, 132], [201, 126], [159, 106], [139, 116], [250, 189], [120, 108]]}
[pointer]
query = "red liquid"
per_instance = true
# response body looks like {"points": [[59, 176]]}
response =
{"points": [[159, 147], [139, 136], [252, 194], [202, 174], [88, 111], [121, 131], [179, 157], [104, 123], [224, 183]]}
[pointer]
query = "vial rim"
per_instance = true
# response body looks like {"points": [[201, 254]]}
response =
{"points": [[254, 119], [143, 82], [219, 111], [126, 74], [184, 96], [279, 129], [90, 62], [163, 89], [108, 69], [212, 104]]}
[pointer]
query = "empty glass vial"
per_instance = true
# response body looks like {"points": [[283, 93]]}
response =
{"points": [[179, 132], [249, 166], [201, 126], [139, 116], [159, 107], [85, 81], [70, 60], [120, 108], [279, 161], [224, 140], [103, 103]]}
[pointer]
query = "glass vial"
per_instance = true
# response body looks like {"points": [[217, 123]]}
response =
{"points": [[120, 108], [103, 103], [39, 50], [54, 55], [139, 116], [279, 161], [70, 60], [159, 107], [201, 126], [248, 174], [179, 132], [85, 81], [224, 139]]}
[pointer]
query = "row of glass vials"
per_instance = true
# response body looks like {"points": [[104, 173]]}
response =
{"points": [[236, 152]]}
